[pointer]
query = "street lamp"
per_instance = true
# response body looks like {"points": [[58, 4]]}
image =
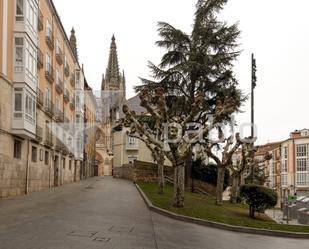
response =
{"points": [[253, 85]]}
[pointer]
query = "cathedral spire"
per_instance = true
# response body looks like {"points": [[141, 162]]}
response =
{"points": [[73, 43], [112, 72], [124, 85]]}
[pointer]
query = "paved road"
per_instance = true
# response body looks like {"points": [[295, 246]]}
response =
{"points": [[110, 214]]}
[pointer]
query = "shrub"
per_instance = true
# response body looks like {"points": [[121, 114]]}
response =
{"points": [[258, 198]]}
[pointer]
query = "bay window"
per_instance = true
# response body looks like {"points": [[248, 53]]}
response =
{"points": [[302, 165], [284, 167], [24, 102], [32, 15]]}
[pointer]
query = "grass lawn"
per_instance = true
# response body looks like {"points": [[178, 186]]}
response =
{"points": [[203, 207]]}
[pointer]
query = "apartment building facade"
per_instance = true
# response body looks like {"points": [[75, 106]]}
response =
{"points": [[294, 163], [90, 165], [287, 172], [41, 125]]}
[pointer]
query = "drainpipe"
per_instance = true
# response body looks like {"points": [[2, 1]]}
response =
{"points": [[50, 163], [27, 168]]}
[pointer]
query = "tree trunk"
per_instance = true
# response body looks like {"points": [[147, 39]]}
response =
{"points": [[179, 185], [161, 176], [234, 189], [220, 185], [188, 170], [252, 212]]}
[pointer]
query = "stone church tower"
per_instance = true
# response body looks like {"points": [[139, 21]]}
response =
{"points": [[113, 81], [113, 94]]}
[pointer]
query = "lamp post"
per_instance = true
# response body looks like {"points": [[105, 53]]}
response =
{"points": [[253, 85]]}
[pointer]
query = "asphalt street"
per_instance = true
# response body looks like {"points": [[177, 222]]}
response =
{"points": [[106, 213]]}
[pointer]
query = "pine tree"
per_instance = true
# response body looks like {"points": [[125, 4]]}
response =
{"points": [[193, 80]]}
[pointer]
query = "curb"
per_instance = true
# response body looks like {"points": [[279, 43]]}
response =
{"points": [[217, 225]]}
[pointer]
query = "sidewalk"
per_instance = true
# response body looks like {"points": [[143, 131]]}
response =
{"points": [[277, 216]]}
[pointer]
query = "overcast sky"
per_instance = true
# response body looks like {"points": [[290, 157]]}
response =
{"points": [[275, 30]]}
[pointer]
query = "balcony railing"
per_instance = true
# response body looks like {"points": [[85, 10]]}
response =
{"points": [[59, 56], [40, 59], [66, 95], [49, 73], [72, 79], [58, 115], [40, 21], [48, 139], [72, 104], [49, 107], [65, 149], [132, 143], [50, 41], [59, 144], [39, 97], [67, 120], [59, 86], [67, 70], [39, 133]]}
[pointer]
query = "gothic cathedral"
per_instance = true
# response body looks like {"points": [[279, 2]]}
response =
{"points": [[113, 94]]}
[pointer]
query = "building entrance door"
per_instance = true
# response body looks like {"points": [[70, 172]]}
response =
{"points": [[106, 170], [56, 171]]}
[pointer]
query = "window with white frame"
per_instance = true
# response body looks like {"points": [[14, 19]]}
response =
{"points": [[30, 106], [65, 60], [18, 103], [57, 103], [19, 15], [57, 76], [32, 15], [132, 159], [132, 142], [19, 55], [48, 62], [57, 46], [271, 169], [302, 165], [17, 149], [31, 57], [49, 29], [77, 77], [48, 97]]}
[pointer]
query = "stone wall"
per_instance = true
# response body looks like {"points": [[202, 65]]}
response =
{"points": [[13, 172], [140, 172]]}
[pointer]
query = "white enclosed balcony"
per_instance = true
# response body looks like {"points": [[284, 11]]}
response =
{"points": [[24, 111], [26, 18], [25, 62], [131, 143]]}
